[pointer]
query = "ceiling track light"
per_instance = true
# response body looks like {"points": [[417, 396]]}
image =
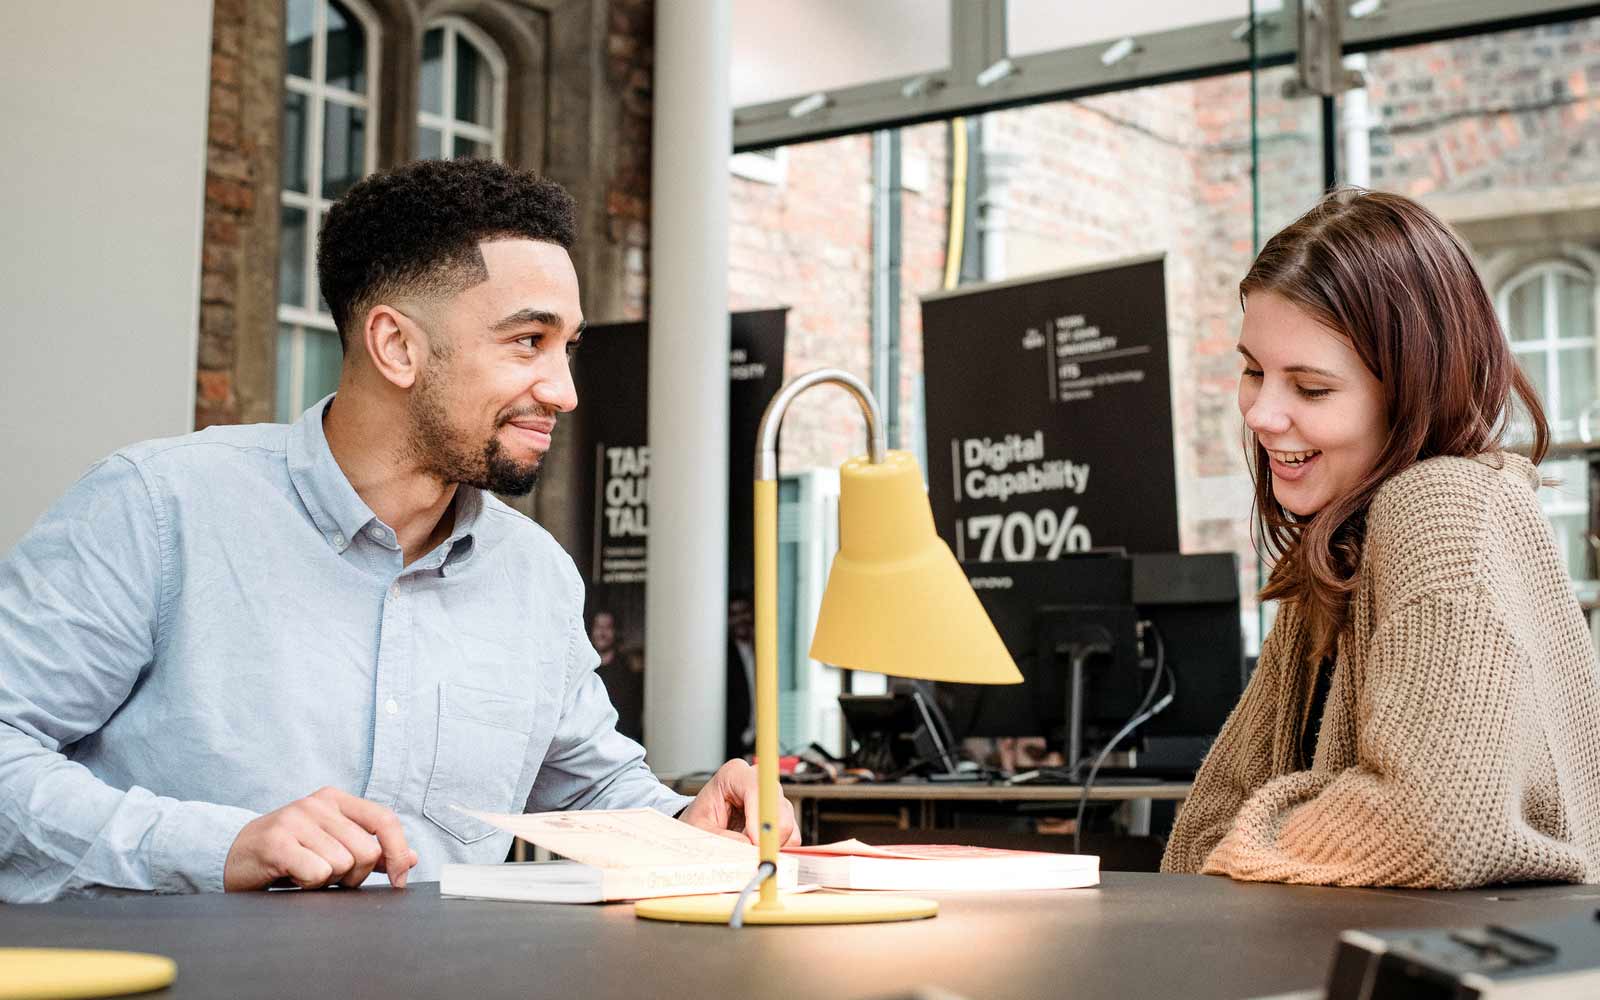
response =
{"points": [[999, 71], [808, 105], [1119, 50]]}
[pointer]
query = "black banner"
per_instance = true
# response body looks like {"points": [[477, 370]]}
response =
{"points": [[613, 370], [1049, 415]]}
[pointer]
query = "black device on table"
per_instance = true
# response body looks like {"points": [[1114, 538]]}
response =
{"points": [[899, 734], [1105, 618]]}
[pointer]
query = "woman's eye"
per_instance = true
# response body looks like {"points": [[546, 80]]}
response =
{"points": [[1314, 393], [1252, 373]]}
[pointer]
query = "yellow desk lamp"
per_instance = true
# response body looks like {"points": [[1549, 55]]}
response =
{"points": [[896, 603]]}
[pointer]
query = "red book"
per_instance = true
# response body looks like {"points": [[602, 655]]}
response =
{"points": [[850, 864]]}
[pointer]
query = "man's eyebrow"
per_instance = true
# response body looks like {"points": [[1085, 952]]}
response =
{"points": [[542, 317], [1296, 369]]}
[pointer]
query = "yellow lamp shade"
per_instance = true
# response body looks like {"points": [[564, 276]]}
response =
{"points": [[897, 601]]}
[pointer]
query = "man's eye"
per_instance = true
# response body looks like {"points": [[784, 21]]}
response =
{"points": [[532, 340]]}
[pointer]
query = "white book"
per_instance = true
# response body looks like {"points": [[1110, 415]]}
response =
{"points": [[571, 882], [611, 854], [851, 864]]}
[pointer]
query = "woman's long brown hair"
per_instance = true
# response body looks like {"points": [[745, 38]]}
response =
{"points": [[1395, 280]]}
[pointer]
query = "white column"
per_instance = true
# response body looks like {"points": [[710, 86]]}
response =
{"points": [[686, 584], [100, 264]]}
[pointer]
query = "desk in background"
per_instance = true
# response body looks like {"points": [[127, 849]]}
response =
{"points": [[931, 802], [1138, 935]]}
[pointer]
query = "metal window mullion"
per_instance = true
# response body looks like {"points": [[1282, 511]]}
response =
{"points": [[346, 97], [497, 109], [307, 318], [297, 372], [475, 132], [447, 95], [977, 36], [1552, 338]]}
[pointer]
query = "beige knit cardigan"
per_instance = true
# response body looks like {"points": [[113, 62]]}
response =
{"points": [[1460, 743]]}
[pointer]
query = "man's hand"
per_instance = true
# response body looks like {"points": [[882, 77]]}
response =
{"points": [[728, 803], [328, 836]]}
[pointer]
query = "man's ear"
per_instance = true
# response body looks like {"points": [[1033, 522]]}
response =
{"points": [[394, 344]]}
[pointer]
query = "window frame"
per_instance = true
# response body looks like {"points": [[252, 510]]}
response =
{"points": [[1548, 345], [446, 124], [317, 93]]}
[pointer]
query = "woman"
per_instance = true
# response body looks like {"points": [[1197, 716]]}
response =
{"points": [[1426, 710]]}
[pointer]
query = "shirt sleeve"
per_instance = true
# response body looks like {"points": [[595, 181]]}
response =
{"points": [[80, 607], [589, 764], [1447, 731]]}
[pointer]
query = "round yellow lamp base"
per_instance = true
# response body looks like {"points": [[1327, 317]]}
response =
{"points": [[62, 973], [801, 908]]}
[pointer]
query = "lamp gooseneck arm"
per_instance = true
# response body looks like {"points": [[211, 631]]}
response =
{"points": [[767, 435], [766, 597]]}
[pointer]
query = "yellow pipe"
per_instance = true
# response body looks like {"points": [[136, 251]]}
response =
{"points": [[958, 203], [766, 600]]}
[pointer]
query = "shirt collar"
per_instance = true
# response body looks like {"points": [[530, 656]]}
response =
{"points": [[338, 510]]}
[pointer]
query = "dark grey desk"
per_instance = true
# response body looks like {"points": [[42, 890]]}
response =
{"points": [[1136, 936]]}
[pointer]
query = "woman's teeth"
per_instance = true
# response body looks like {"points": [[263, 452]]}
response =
{"points": [[1294, 457]]}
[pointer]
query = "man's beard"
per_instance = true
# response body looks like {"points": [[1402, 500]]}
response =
{"points": [[440, 452]]}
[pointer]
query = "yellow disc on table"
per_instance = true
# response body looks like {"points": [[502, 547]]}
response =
{"points": [[65, 973]]}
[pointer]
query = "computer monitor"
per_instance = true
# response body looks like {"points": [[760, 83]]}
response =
{"points": [[1191, 601]]}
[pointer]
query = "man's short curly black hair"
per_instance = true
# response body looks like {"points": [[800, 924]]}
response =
{"points": [[415, 229]]}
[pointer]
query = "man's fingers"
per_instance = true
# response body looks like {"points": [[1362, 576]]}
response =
{"points": [[398, 858], [748, 792], [411, 861], [363, 848], [306, 868], [329, 848]]}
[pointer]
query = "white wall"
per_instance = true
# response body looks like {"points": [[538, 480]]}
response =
{"points": [[103, 109]]}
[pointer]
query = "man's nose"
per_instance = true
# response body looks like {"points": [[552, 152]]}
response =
{"points": [[556, 390]]}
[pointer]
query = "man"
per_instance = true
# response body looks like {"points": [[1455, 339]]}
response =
{"points": [[622, 673], [740, 730], [286, 653]]}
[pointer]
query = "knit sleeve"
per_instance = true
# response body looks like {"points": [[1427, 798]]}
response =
{"points": [[1447, 735], [1239, 762]]}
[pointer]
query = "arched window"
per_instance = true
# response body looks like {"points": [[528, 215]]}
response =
{"points": [[1549, 314], [461, 100], [1548, 311], [329, 143]]}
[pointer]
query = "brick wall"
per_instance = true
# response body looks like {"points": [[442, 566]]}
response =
{"points": [[238, 254], [630, 52]]}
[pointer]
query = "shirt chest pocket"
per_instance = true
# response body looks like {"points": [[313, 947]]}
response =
{"points": [[481, 747]]}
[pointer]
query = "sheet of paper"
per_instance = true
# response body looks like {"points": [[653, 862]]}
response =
{"points": [[620, 838]]}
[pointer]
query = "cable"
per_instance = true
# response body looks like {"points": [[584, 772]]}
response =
{"points": [[1144, 713], [763, 871]]}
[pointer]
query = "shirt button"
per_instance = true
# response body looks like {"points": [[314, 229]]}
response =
{"points": [[391, 706], [338, 541]]}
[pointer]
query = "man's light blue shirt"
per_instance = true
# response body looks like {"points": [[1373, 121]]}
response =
{"points": [[209, 627]]}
